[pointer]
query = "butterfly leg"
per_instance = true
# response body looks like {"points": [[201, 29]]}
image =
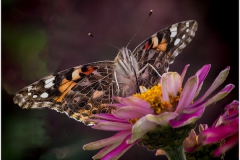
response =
{"points": [[149, 65], [116, 80]]}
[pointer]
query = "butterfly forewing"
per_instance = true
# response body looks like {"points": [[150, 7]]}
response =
{"points": [[161, 48], [82, 91]]}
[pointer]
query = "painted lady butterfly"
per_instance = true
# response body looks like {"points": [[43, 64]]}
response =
{"points": [[81, 91]]}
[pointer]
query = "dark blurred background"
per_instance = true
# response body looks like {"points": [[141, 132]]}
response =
{"points": [[41, 37]]}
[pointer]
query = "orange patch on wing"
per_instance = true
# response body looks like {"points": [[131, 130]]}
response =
{"points": [[146, 46], [163, 45], [90, 70], [154, 44], [76, 72], [67, 85], [64, 89]]}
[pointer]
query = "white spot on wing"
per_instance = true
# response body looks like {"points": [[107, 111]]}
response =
{"points": [[49, 80], [173, 30], [34, 96], [48, 85], [173, 34], [44, 95], [187, 24], [29, 93], [29, 88], [176, 41], [183, 36], [187, 30]]}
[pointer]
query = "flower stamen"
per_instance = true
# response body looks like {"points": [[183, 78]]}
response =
{"points": [[133, 121], [154, 97]]}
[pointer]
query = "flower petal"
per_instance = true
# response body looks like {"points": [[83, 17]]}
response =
{"points": [[121, 153], [184, 71], [141, 127], [112, 126], [161, 119], [165, 96], [193, 108], [217, 82], [191, 140], [107, 141], [106, 150], [232, 105], [185, 119], [114, 105], [171, 82], [109, 117], [188, 93], [160, 152], [223, 93], [130, 112], [202, 127], [213, 135], [119, 149], [202, 73], [198, 90], [149, 122], [133, 101], [230, 142]]}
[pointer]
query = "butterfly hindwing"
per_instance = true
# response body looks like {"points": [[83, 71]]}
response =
{"points": [[161, 48], [79, 91], [86, 98]]}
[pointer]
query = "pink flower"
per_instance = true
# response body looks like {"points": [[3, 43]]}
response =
{"points": [[164, 107], [224, 132]]}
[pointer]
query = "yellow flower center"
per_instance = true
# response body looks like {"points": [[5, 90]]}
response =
{"points": [[154, 97]]}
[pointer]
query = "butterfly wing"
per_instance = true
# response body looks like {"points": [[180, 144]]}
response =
{"points": [[161, 48], [79, 91]]}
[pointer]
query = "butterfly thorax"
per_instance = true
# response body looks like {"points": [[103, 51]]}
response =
{"points": [[126, 72]]}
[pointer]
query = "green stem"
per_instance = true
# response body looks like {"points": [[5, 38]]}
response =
{"points": [[175, 153]]}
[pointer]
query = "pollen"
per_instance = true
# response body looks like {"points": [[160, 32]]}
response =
{"points": [[154, 97], [133, 121]]}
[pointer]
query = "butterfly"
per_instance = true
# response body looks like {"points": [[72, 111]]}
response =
{"points": [[82, 91]]}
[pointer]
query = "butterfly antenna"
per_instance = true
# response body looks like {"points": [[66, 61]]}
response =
{"points": [[150, 13], [90, 34]]}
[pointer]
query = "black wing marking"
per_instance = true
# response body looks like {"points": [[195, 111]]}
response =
{"points": [[161, 48]]}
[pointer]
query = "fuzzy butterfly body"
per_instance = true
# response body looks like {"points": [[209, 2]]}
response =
{"points": [[82, 91]]}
